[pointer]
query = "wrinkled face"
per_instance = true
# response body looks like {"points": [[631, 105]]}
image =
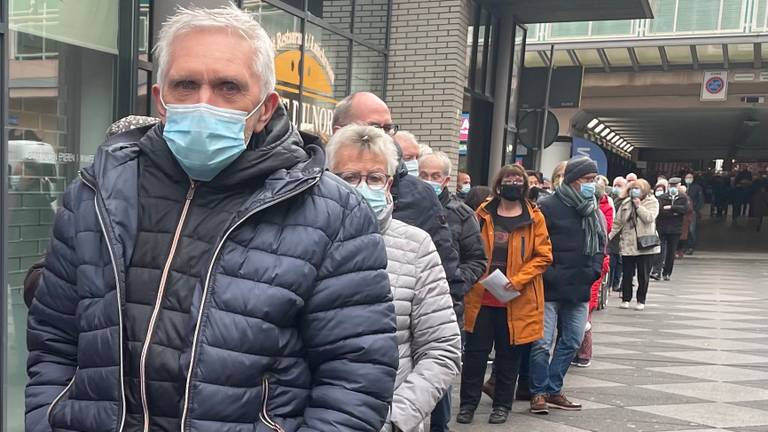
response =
{"points": [[199, 71], [353, 164], [370, 110], [409, 146], [619, 183], [431, 169], [464, 179]]}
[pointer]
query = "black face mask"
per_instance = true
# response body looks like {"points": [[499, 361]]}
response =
{"points": [[511, 192], [533, 193]]}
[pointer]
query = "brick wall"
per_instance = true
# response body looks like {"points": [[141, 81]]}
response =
{"points": [[427, 70]]}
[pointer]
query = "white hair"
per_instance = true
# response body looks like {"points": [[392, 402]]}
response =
{"points": [[443, 158], [425, 150], [363, 137], [229, 18]]}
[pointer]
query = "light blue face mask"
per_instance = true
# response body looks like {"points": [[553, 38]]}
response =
{"points": [[673, 191], [436, 186], [466, 187], [413, 167], [616, 191], [205, 139], [377, 199], [588, 189], [659, 193], [634, 193]]}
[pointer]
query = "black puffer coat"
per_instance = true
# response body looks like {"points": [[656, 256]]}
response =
{"points": [[293, 297], [670, 221]]}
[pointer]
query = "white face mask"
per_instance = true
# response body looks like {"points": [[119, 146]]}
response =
{"points": [[413, 167]]}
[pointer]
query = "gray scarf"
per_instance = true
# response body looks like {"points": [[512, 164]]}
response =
{"points": [[590, 220]]}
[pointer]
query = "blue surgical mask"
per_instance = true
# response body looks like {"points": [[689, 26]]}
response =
{"points": [[616, 191], [413, 167], [438, 187], [673, 191], [205, 139], [659, 193], [634, 193], [377, 199], [688, 180], [465, 188], [588, 189]]}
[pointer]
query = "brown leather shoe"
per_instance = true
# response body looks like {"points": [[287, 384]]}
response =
{"points": [[561, 402], [539, 405]]}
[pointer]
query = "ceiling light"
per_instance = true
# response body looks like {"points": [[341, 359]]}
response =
{"points": [[599, 127], [593, 123], [605, 132], [610, 136], [615, 139]]}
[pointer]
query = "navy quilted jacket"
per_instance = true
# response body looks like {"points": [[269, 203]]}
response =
{"points": [[293, 326]]}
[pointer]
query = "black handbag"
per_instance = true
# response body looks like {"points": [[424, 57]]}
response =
{"points": [[646, 241]]}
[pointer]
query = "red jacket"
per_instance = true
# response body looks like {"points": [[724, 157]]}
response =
{"points": [[608, 212]]}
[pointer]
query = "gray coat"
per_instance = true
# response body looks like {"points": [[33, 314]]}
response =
{"points": [[428, 336], [627, 218]]}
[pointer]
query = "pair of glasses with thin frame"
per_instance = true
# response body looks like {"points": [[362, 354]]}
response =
{"points": [[375, 181]]}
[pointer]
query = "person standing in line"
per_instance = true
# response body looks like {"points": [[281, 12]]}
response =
{"points": [[658, 260], [477, 196], [435, 169], [619, 183], [428, 336], [673, 207], [557, 174], [463, 185], [636, 218], [516, 240], [577, 232], [696, 195], [683, 244], [583, 358]]}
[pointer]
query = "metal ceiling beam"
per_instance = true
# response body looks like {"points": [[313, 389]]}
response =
{"points": [[695, 57], [726, 60], [664, 58], [661, 41], [574, 57], [604, 59], [758, 55], [543, 56], [633, 59]]}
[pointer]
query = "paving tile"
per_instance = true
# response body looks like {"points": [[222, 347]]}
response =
{"points": [[715, 373], [711, 414], [720, 297], [579, 381], [719, 308], [612, 328], [718, 316], [621, 420], [632, 396], [716, 333], [709, 323], [653, 375], [718, 344], [717, 357], [714, 391]]}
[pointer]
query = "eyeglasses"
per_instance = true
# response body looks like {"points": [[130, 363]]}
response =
{"points": [[389, 129], [375, 181], [515, 182]]}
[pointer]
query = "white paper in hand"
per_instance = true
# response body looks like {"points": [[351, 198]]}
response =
{"points": [[495, 283]]}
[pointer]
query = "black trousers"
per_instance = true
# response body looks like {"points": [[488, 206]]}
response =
{"points": [[491, 330], [631, 264], [668, 250]]}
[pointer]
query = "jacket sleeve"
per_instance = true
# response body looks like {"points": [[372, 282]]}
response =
{"points": [[473, 261], [348, 330], [435, 347], [541, 258], [619, 221], [648, 210], [51, 328], [680, 205]]}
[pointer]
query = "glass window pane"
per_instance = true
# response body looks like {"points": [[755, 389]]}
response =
{"points": [[731, 19], [517, 66], [697, 15], [371, 21], [680, 54], [326, 77], [612, 28], [481, 50], [648, 55], [664, 22], [470, 41], [741, 53], [142, 94], [618, 56], [761, 23], [490, 70], [710, 53], [335, 12], [144, 14], [60, 104], [589, 58], [533, 59], [569, 30], [367, 70], [563, 59]]}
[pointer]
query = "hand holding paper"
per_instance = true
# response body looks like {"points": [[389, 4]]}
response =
{"points": [[497, 284]]}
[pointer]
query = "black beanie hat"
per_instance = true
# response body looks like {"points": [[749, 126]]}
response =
{"points": [[579, 167]]}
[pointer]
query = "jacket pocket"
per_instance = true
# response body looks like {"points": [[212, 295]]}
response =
{"points": [[264, 414], [61, 396]]}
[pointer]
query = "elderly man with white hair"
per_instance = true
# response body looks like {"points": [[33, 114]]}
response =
{"points": [[427, 332], [206, 273]]}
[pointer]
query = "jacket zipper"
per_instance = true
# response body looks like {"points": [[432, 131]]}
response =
{"points": [[158, 302], [119, 300], [60, 396], [264, 414], [185, 407]]}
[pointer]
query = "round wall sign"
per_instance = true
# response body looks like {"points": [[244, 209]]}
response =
{"points": [[715, 85]]}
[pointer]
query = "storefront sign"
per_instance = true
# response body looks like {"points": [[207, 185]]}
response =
{"points": [[464, 129], [714, 86], [583, 147]]}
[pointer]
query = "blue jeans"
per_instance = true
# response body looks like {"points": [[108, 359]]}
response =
{"points": [[441, 415], [546, 377]]}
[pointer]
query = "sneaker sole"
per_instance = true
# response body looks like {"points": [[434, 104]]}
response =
{"points": [[543, 411], [582, 365], [553, 406]]}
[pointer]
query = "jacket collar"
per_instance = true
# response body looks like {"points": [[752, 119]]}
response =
{"points": [[489, 207]]}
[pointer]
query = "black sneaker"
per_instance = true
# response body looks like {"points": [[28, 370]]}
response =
{"points": [[655, 276], [582, 363], [498, 415], [666, 278], [465, 416]]}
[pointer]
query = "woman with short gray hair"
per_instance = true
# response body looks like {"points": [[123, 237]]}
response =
{"points": [[427, 333]]}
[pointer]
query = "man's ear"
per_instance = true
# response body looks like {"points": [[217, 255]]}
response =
{"points": [[264, 115]]}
